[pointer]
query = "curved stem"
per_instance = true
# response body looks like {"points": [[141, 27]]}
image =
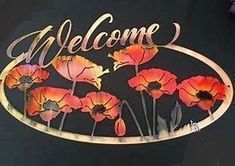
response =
{"points": [[73, 87], [25, 102], [133, 116], [143, 104], [65, 114], [62, 121], [154, 116], [93, 130], [145, 111]]}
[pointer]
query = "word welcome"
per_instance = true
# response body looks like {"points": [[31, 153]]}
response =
{"points": [[79, 42]]}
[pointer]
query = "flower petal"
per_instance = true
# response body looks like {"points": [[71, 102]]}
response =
{"points": [[138, 82], [62, 97], [66, 109], [113, 112], [156, 94], [40, 75], [206, 105], [189, 88], [110, 102], [152, 74], [187, 97], [203, 83], [98, 117], [219, 91], [34, 71], [170, 86], [11, 81], [79, 69], [135, 54], [48, 115], [147, 77], [34, 103]]}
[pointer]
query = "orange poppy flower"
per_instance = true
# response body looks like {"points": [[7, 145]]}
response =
{"points": [[24, 76], [136, 54], [79, 69], [155, 82], [101, 105], [201, 91], [48, 102]]}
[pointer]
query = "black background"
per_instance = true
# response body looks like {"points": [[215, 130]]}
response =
{"points": [[206, 28]]}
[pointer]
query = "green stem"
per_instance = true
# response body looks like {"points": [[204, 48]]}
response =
{"points": [[133, 116], [48, 124], [93, 130], [154, 116], [73, 87], [210, 114], [62, 121], [25, 102], [65, 114], [143, 104]]}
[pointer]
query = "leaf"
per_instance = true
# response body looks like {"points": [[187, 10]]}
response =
{"points": [[176, 116], [120, 127], [162, 126]]}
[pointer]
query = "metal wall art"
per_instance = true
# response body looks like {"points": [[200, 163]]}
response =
{"points": [[48, 101]]}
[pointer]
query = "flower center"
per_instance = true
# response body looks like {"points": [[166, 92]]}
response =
{"points": [[204, 95], [153, 86], [26, 79], [51, 105], [99, 108]]}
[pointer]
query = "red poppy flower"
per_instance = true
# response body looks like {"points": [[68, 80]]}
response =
{"points": [[79, 69], [136, 54], [155, 82], [24, 76], [48, 102], [201, 91], [120, 127], [101, 105]]}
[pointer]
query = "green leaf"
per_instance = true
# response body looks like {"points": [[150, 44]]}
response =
{"points": [[162, 126], [176, 116]]}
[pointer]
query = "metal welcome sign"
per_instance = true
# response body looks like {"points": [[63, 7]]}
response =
{"points": [[130, 119]]}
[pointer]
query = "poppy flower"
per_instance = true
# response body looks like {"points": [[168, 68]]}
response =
{"points": [[155, 82], [202, 91], [79, 69], [101, 105], [135, 54], [120, 127], [48, 102], [24, 76]]}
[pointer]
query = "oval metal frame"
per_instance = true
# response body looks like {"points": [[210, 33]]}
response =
{"points": [[185, 130]]}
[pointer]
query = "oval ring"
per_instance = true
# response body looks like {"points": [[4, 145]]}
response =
{"points": [[185, 130]]}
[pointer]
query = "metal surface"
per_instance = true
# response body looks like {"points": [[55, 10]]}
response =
{"points": [[185, 130]]}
